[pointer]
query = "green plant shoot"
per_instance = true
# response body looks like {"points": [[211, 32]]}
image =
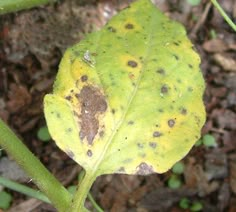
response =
{"points": [[128, 98]]}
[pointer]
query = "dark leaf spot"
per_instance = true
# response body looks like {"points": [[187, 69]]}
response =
{"points": [[101, 133], [130, 123], [84, 78], [121, 169], [92, 102], [179, 80], [58, 115], [177, 44], [190, 89], [153, 145], [157, 134], [190, 66], [68, 98], [183, 111], [171, 122], [89, 153], [142, 155], [129, 26], [164, 89], [132, 63], [176, 57], [161, 71], [111, 29], [140, 145], [144, 169], [113, 111], [128, 160], [69, 130]]}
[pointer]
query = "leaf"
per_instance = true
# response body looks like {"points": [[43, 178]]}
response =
{"points": [[128, 98]]}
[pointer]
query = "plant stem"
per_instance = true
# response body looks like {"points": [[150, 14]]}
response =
{"points": [[45, 181], [222, 12], [93, 202], [7, 6], [23, 189], [82, 192]]}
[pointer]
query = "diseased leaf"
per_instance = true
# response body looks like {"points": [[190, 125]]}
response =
{"points": [[128, 99]]}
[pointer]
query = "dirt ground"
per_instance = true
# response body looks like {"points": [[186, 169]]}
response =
{"points": [[31, 45]]}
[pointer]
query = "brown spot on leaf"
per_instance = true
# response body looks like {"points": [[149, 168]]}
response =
{"points": [[92, 102], [153, 144], [129, 26], [69, 130], [190, 66], [144, 169], [171, 122], [177, 44], [157, 134], [161, 71], [84, 78], [101, 133], [121, 170], [130, 122], [164, 89], [68, 98], [190, 89], [111, 29], [58, 115], [183, 111], [89, 153], [176, 57], [140, 145], [132, 63]]}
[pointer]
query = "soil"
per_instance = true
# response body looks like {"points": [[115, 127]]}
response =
{"points": [[32, 43]]}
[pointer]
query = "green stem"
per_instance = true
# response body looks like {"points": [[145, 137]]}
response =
{"points": [[222, 12], [7, 6], [93, 202], [90, 197], [23, 189], [82, 192], [45, 181]]}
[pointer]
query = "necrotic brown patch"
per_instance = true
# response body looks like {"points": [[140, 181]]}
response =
{"points": [[111, 29], [129, 26], [171, 122], [89, 153], [183, 111], [84, 78], [153, 145], [144, 169], [92, 102], [68, 98], [132, 63], [157, 134], [164, 89], [161, 71]]}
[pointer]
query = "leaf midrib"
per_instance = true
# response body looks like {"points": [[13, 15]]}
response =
{"points": [[118, 125]]}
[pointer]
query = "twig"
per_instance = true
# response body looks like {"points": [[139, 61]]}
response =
{"points": [[200, 21]]}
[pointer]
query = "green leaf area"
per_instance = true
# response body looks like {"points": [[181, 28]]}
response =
{"points": [[128, 98]]}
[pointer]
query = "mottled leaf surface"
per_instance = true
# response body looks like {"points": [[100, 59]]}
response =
{"points": [[128, 99]]}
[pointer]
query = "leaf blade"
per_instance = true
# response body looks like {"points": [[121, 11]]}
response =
{"points": [[134, 67]]}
